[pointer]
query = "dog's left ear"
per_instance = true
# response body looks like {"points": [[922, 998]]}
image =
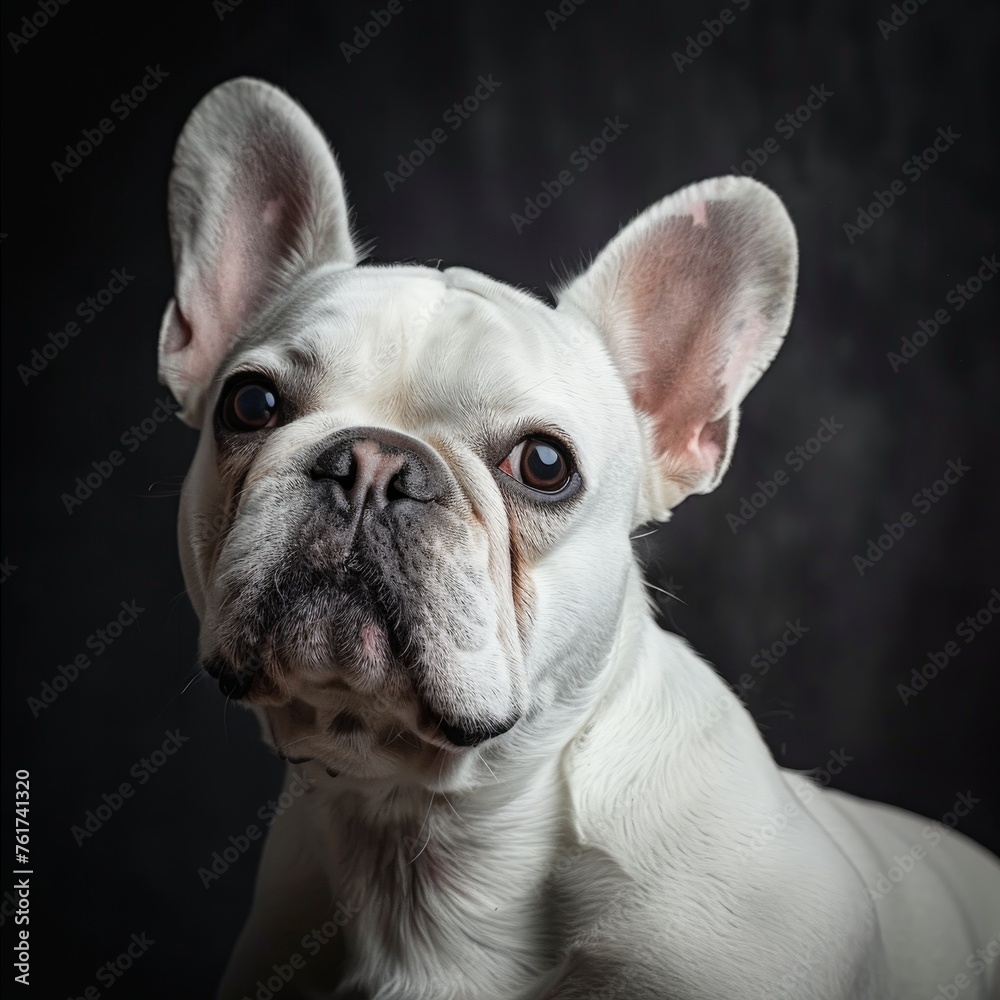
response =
{"points": [[256, 200], [692, 298]]}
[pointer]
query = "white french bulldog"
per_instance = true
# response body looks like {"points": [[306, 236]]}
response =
{"points": [[406, 533]]}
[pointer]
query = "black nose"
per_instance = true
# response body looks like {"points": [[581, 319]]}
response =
{"points": [[232, 683], [472, 734], [375, 468]]}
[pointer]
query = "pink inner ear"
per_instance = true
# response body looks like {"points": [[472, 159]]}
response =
{"points": [[231, 288], [255, 201], [231, 285], [695, 357], [704, 447], [676, 294], [741, 357], [694, 297], [226, 294], [214, 306]]}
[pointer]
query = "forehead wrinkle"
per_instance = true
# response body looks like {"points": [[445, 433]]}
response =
{"points": [[476, 331], [377, 321], [407, 347], [336, 347], [502, 350]]}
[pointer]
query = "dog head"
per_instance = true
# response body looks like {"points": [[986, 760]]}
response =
{"points": [[406, 528]]}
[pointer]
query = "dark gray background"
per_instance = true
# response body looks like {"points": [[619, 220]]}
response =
{"points": [[834, 691]]}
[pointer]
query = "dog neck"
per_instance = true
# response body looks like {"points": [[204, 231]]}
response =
{"points": [[472, 874], [463, 874]]}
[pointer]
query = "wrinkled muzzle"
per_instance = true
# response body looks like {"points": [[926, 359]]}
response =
{"points": [[378, 587]]}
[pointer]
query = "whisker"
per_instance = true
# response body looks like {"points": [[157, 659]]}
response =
{"points": [[197, 675], [301, 739], [169, 487], [194, 677], [665, 592], [430, 805], [645, 534], [487, 766]]}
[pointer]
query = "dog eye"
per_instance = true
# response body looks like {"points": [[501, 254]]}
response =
{"points": [[540, 464], [250, 405]]}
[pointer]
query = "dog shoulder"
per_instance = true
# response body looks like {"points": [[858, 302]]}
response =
{"points": [[678, 807]]}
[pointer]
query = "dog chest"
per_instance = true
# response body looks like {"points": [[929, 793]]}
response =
{"points": [[451, 904]]}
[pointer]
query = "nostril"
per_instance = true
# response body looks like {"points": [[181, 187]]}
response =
{"points": [[394, 491], [344, 471], [234, 685], [374, 469], [214, 666], [231, 683]]}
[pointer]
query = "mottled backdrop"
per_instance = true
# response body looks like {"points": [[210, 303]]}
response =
{"points": [[93, 578]]}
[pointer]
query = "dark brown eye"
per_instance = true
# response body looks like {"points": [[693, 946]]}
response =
{"points": [[539, 464], [250, 405]]}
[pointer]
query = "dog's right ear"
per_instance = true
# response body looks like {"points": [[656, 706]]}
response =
{"points": [[255, 200]]}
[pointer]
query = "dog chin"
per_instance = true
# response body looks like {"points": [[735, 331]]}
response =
{"points": [[361, 746], [358, 716]]}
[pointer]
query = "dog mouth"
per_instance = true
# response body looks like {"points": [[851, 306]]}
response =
{"points": [[391, 640], [368, 703], [372, 739], [313, 622]]}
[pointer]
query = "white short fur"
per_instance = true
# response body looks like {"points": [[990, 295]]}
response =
{"points": [[608, 844]]}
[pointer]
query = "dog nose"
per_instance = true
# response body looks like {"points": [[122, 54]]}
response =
{"points": [[471, 735], [232, 683], [377, 470]]}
